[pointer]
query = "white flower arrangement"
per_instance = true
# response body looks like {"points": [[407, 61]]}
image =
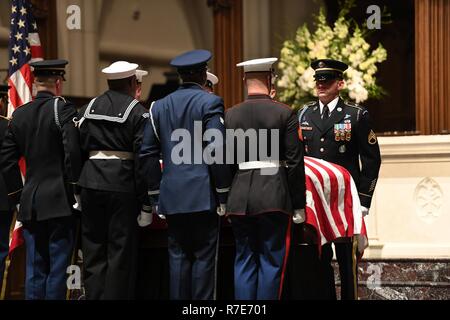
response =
{"points": [[342, 42]]}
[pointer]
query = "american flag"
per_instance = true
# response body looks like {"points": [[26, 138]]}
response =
{"points": [[24, 48], [332, 203]]}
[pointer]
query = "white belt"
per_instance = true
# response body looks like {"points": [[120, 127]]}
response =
{"points": [[261, 164], [111, 155]]}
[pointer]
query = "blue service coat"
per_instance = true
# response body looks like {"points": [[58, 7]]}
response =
{"points": [[193, 185]]}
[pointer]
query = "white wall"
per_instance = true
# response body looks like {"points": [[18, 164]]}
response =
{"points": [[410, 214]]}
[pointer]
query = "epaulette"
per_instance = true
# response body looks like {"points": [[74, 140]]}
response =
{"points": [[309, 104], [353, 105], [62, 98]]}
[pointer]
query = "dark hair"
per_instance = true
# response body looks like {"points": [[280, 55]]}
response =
{"points": [[121, 85], [194, 75]]}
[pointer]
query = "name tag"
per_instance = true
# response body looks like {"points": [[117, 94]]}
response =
{"points": [[307, 128]]}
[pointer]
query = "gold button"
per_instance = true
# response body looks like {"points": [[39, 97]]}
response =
{"points": [[323, 139], [322, 150]]}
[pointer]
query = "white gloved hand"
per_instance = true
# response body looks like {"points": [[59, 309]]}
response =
{"points": [[299, 216], [222, 209], [365, 211], [155, 211], [145, 219], [77, 206]]}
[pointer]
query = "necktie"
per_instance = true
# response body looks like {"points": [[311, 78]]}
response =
{"points": [[325, 112]]}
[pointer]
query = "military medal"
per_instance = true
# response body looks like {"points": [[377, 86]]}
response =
{"points": [[348, 129], [337, 135], [342, 126], [342, 149]]}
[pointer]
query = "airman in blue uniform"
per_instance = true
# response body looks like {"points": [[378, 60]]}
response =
{"points": [[190, 191]]}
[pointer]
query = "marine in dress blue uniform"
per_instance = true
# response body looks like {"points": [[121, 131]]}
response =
{"points": [[113, 189], [340, 132], [6, 204], [261, 204], [188, 192], [44, 133]]}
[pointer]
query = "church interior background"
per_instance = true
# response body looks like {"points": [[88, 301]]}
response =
{"points": [[408, 227]]}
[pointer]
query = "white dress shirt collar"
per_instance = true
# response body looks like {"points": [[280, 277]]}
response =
{"points": [[331, 106]]}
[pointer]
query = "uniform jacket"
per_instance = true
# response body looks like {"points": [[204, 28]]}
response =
{"points": [[192, 185], [44, 134], [251, 192], [344, 138]]}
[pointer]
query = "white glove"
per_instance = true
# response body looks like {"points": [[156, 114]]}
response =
{"points": [[222, 209], [365, 211], [145, 219], [299, 216], [155, 211], [77, 206]]}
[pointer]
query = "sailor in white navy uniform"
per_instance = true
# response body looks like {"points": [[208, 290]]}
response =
{"points": [[113, 189]]}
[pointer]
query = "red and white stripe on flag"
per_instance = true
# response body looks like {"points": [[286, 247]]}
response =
{"points": [[24, 48], [333, 207]]}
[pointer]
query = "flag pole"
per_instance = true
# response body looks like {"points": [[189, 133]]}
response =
{"points": [[8, 260], [5, 278]]}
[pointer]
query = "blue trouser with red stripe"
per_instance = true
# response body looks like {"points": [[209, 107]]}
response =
{"points": [[261, 255]]}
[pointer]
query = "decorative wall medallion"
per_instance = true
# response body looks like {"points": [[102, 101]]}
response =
{"points": [[429, 199]]}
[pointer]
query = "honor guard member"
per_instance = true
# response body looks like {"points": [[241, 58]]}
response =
{"points": [[113, 189], [140, 74], [267, 191], [211, 81], [6, 204], [44, 133], [192, 187], [340, 132]]}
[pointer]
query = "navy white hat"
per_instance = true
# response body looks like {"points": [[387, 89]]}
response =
{"points": [[211, 79], [258, 65], [191, 60], [49, 68], [120, 70], [140, 74], [328, 69]]}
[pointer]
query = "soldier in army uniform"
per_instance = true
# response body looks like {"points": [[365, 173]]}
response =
{"points": [[6, 204], [44, 133], [113, 189], [340, 132]]}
